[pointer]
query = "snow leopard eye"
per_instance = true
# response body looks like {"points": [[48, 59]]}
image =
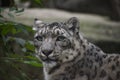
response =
{"points": [[60, 38], [39, 38]]}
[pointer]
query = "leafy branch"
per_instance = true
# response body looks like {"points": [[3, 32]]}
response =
{"points": [[14, 48]]}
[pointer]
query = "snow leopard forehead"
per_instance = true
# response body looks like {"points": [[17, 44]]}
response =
{"points": [[53, 29], [70, 27]]}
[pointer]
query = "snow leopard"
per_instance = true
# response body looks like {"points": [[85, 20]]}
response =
{"points": [[67, 55]]}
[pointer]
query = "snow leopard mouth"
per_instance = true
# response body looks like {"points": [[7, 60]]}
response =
{"points": [[48, 59]]}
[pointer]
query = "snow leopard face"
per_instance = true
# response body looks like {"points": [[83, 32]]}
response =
{"points": [[56, 42]]}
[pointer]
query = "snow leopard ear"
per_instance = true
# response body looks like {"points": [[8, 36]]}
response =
{"points": [[37, 24], [73, 25]]}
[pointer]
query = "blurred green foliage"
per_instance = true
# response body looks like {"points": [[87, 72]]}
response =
{"points": [[15, 50]]}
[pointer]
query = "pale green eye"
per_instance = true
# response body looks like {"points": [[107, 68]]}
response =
{"points": [[39, 38], [61, 38]]}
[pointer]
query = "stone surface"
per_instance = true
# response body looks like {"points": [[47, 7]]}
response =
{"points": [[98, 29], [110, 8]]}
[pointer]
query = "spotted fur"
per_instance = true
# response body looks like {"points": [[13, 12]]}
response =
{"points": [[66, 55]]}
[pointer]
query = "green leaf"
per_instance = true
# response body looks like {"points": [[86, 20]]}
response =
{"points": [[7, 27], [6, 30], [33, 63], [15, 56], [12, 9], [24, 49], [9, 39], [38, 1], [14, 31], [19, 10], [1, 16], [20, 41], [30, 46], [1, 10], [31, 58], [21, 28], [13, 28], [10, 15]]}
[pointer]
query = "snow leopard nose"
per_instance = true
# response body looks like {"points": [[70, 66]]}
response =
{"points": [[47, 52]]}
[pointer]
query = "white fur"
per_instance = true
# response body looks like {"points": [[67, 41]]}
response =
{"points": [[47, 67]]}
